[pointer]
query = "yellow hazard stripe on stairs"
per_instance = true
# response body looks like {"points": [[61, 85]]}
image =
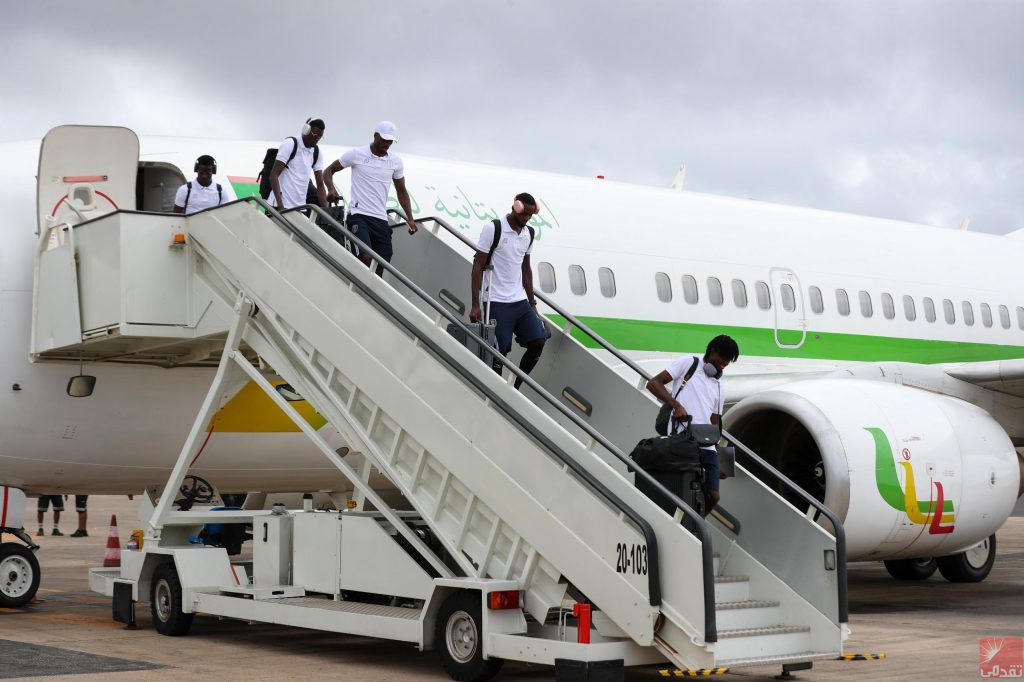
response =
{"points": [[861, 657], [703, 672]]}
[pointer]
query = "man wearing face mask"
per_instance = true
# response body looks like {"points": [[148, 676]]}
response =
{"points": [[506, 244], [697, 393]]}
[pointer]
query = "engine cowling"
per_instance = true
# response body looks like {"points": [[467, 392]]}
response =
{"points": [[886, 458]]}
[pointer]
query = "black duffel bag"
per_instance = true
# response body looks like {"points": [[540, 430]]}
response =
{"points": [[678, 452]]}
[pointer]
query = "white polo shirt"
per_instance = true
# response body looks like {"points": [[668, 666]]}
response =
{"points": [[294, 178], [372, 176], [201, 197], [702, 395], [507, 279]]}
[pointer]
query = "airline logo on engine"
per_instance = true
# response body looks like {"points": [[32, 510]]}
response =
{"points": [[936, 513]]}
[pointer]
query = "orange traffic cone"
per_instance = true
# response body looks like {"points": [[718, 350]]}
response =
{"points": [[112, 558]]}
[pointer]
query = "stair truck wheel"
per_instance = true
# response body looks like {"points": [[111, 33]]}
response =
{"points": [[972, 565], [458, 636], [165, 602], [19, 575], [911, 569]]}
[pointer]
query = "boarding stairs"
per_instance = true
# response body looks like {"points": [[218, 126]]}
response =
{"points": [[528, 485]]}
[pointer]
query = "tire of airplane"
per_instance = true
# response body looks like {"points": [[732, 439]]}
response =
{"points": [[19, 575], [458, 637], [971, 566], [911, 569], [165, 602]]}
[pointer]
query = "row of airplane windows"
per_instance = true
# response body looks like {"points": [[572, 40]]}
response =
{"points": [[763, 297]]}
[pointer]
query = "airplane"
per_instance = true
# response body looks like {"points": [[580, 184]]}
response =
{"points": [[882, 362]]}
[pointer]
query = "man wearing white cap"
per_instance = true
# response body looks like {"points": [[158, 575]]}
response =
{"points": [[373, 171]]}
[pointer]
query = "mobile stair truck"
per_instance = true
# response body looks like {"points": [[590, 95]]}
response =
{"points": [[512, 528]]}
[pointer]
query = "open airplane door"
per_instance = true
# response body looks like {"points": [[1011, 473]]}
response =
{"points": [[86, 172], [790, 315]]}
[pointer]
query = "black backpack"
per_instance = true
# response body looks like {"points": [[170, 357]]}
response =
{"points": [[497, 238], [268, 165], [220, 196]]}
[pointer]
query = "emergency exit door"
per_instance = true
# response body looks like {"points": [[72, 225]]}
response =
{"points": [[790, 313]]}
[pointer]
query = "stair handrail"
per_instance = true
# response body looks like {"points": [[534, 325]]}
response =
{"points": [[654, 578], [569, 317], [620, 356], [837, 525]]}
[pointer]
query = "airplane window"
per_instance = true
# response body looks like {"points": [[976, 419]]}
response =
{"points": [[739, 293], [715, 291], [764, 296], [1004, 316], [606, 278], [929, 309], [865, 304], [817, 302], [546, 274], [909, 311], [986, 315], [788, 298], [842, 302], [888, 308], [577, 280], [689, 289], [664, 286], [947, 309], [1020, 317], [968, 314]]}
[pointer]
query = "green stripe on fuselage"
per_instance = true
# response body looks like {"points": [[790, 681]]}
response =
{"points": [[675, 337]]}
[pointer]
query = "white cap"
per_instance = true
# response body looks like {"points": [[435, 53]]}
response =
{"points": [[387, 131]]}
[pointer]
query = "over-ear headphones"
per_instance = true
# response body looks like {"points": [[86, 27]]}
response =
{"points": [[200, 161], [306, 129], [519, 207], [711, 370]]}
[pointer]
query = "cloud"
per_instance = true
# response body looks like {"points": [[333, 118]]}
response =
{"points": [[905, 110]]}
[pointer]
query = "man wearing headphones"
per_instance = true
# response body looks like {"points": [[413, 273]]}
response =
{"points": [[697, 393], [201, 193], [289, 177], [374, 168], [506, 244]]}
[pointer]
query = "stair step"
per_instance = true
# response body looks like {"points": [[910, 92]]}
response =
{"points": [[751, 613], [783, 658], [757, 632], [731, 588], [748, 604], [762, 642]]}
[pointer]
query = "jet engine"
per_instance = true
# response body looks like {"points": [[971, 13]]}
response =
{"points": [[911, 474]]}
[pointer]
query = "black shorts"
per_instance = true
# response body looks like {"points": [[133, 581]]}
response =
{"points": [[374, 232], [46, 500], [81, 503]]}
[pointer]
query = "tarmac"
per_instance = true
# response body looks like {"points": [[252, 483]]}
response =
{"points": [[926, 631]]}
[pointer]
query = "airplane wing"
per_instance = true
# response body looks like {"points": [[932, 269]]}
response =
{"points": [[1005, 376]]}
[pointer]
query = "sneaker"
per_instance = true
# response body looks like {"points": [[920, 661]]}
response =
{"points": [[56, 531], [40, 533], [80, 534]]}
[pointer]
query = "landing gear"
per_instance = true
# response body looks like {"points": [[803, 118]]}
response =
{"points": [[911, 569], [165, 602], [19, 575], [972, 565], [457, 636]]}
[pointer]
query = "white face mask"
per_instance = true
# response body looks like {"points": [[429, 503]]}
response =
{"points": [[710, 370]]}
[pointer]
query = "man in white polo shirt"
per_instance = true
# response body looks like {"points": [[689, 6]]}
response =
{"points": [[374, 168], [697, 393], [513, 305], [201, 193], [296, 156]]}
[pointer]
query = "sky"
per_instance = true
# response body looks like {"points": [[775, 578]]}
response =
{"points": [[900, 109]]}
